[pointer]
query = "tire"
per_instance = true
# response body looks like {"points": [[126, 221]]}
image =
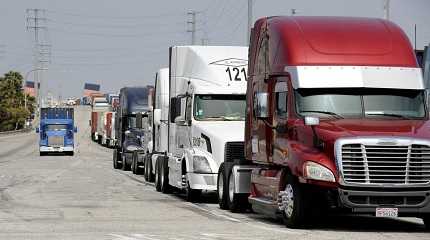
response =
{"points": [[99, 140], [116, 156], [71, 153], [222, 188], [296, 206], [236, 202], [42, 154], [124, 165], [134, 164], [145, 169], [192, 195], [157, 175], [426, 220], [164, 176], [149, 176]]}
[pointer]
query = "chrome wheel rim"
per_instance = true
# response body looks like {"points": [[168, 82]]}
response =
{"points": [[162, 176], [220, 186], [288, 200], [231, 188]]}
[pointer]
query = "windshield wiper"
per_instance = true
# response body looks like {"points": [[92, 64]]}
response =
{"points": [[389, 115], [324, 112]]}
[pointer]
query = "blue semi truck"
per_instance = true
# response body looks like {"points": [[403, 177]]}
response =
{"points": [[56, 131]]}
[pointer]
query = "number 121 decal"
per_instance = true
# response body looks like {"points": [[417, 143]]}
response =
{"points": [[236, 74]]}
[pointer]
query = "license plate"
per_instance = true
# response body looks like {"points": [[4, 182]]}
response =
{"points": [[387, 212]]}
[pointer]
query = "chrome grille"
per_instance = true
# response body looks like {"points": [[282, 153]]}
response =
{"points": [[380, 164], [56, 141], [234, 151]]}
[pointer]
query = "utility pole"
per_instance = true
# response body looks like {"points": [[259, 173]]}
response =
{"points": [[387, 9], [192, 22], [36, 22], [248, 36]]}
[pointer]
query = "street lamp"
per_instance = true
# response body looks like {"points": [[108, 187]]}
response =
{"points": [[25, 80]]}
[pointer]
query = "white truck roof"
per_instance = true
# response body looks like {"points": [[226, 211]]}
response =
{"points": [[210, 69]]}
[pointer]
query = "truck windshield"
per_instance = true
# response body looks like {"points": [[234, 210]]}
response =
{"points": [[220, 107], [358, 103], [56, 127]]}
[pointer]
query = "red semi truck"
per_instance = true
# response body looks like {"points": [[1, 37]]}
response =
{"points": [[336, 118]]}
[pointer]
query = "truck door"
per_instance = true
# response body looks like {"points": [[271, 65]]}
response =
{"points": [[280, 115]]}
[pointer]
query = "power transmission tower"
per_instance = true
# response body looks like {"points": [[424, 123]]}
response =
{"points": [[387, 9], [36, 22], [192, 22]]}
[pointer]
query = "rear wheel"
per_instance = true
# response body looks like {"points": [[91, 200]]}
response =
{"points": [[222, 188], [294, 202], [116, 158]]}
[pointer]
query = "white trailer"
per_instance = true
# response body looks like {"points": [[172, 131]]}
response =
{"points": [[204, 115]]}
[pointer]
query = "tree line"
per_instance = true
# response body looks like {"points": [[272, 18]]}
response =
{"points": [[13, 114]]}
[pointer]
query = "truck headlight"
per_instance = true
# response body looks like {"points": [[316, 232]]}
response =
{"points": [[317, 171], [201, 164]]}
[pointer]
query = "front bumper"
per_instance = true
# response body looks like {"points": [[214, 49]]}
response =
{"points": [[203, 181], [56, 149], [410, 202]]}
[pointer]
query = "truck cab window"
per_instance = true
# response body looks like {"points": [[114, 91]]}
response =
{"points": [[262, 58], [219, 107], [281, 96]]}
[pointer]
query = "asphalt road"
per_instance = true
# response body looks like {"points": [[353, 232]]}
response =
{"points": [[82, 197]]}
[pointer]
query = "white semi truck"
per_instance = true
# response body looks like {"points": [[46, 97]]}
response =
{"points": [[199, 117]]}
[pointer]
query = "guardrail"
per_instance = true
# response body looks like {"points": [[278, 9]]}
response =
{"points": [[16, 131]]}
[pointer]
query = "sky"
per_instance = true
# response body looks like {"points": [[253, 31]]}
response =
{"points": [[123, 43]]}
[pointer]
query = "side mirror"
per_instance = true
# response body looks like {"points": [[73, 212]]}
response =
{"points": [[157, 117], [37, 130], [180, 121], [260, 105], [312, 121], [75, 129], [127, 133], [139, 120]]}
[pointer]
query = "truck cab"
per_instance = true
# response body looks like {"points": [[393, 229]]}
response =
{"points": [[334, 124], [132, 136], [56, 131], [205, 116]]}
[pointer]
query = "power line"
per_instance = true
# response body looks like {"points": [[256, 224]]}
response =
{"points": [[95, 34], [80, 15], [116, 26]]}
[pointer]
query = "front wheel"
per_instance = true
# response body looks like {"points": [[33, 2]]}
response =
{"points": [[135, 164], [124, 165], [294, 204], [237, 202], [164, 176], [116, 157], [192, 195], [222, 188], [157, 175]]}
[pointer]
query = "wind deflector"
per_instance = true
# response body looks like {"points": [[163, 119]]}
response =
{"points": [[137, 100]]}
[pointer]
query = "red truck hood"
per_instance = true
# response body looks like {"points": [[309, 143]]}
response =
{"points": [[330, 130]]}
